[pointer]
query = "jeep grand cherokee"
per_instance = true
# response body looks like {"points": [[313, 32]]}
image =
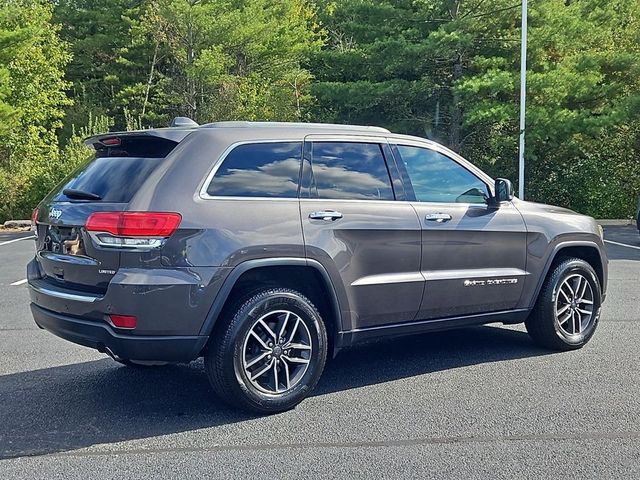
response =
{"points": [[266, 247]]}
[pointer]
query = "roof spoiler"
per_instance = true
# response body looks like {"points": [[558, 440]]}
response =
{"points": [[179, 128], [115, 138]]}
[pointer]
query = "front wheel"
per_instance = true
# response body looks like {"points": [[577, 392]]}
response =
{"points": [[567, 311], [269, 351]]}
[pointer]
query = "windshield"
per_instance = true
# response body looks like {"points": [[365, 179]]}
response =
{"points": [[109, 179]]}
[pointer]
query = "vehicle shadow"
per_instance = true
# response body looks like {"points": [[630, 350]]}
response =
{"points": [[74, 406], [392, 359]]}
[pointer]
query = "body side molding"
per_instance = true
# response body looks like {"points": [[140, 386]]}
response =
{"points": [[409, 328]]}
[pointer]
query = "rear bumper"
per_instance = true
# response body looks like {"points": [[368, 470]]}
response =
{"points": [[169, 302], [103, 338]]}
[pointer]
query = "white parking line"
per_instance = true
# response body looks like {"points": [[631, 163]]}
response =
{"points": [[16, 240], [19, 282], [622, 244]]}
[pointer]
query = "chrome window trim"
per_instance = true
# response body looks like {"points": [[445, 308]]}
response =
{"points": [[483, 177], [373, 200], [351, 138], [355, 138], [216, 166]]}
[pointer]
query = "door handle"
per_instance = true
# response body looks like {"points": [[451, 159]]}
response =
{"points": [[437, 217], [326, 215]]}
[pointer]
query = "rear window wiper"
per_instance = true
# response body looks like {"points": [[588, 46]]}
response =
{"points": [[80, 194]]}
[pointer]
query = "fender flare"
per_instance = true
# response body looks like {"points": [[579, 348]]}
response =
{"points": [[236, 273], [552, 257]]}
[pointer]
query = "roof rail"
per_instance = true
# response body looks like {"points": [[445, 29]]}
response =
{"points": [[328, 126]]}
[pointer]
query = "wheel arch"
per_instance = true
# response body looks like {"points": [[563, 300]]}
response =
{"points": [[307, 276], [588, 251]]}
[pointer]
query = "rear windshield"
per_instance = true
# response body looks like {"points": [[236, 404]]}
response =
{"points": [[114, 179], [117, 173]]}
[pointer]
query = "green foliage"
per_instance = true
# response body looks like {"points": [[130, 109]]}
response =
{"points": [[218, 59], [12, 41], [444, 69], [449, 70], [76, 153], [407, 56], [583, 99], [96, 32], [33, 88]]}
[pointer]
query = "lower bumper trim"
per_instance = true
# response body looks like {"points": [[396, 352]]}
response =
{"points": [[131, 347]]}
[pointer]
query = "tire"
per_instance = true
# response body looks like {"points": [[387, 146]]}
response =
{"points": [[558, 321], [235, 357]]}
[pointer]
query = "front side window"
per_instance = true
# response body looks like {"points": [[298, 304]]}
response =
{"points": [[349, 170], [259, 170], [437, 178]]}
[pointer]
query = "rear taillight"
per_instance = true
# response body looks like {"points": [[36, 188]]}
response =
{"points": [[132, 229], [34, 216]]}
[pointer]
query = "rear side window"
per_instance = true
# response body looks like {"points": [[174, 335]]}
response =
{"points": [[259, 170], [345, 170]]}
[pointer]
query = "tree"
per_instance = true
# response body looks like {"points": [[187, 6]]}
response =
{"points": [[397, 62], [97, 31], [222, 59], [449, 70], [583, 105], [34, 91], [11, 43]]}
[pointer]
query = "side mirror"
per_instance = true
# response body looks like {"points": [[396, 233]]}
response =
{"points": [[504, 190]]}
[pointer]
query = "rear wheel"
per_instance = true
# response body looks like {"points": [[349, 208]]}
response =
{"points": [[567, 311], [269, 351]]}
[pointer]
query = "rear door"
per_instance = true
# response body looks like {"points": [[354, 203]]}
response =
{"points": [[473, 254], [354, 226], [65, 254]]}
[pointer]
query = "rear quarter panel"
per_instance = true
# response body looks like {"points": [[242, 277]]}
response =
{"points": [[221, 232]]}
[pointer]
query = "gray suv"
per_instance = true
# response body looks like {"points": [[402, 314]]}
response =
{"points": [[267, 247]]}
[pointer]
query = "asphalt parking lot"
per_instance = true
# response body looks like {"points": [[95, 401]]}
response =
{"points": [[476, 403]]}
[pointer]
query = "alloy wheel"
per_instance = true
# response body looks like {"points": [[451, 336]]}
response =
{"points": [[574, 305], [276, 352]]}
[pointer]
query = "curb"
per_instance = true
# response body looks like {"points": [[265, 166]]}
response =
{"points": [[615, 222], [17, 224]]}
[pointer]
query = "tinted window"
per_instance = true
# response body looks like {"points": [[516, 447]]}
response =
{"points": [[259, 170], [118, 171], [437, 178], [114, 179], [350, 171]]}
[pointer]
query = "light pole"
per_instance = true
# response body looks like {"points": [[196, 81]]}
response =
{"points": [[523, 85]]}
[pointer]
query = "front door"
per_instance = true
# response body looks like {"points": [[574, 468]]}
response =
{"points": [[352, 224], [473, 254]]}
